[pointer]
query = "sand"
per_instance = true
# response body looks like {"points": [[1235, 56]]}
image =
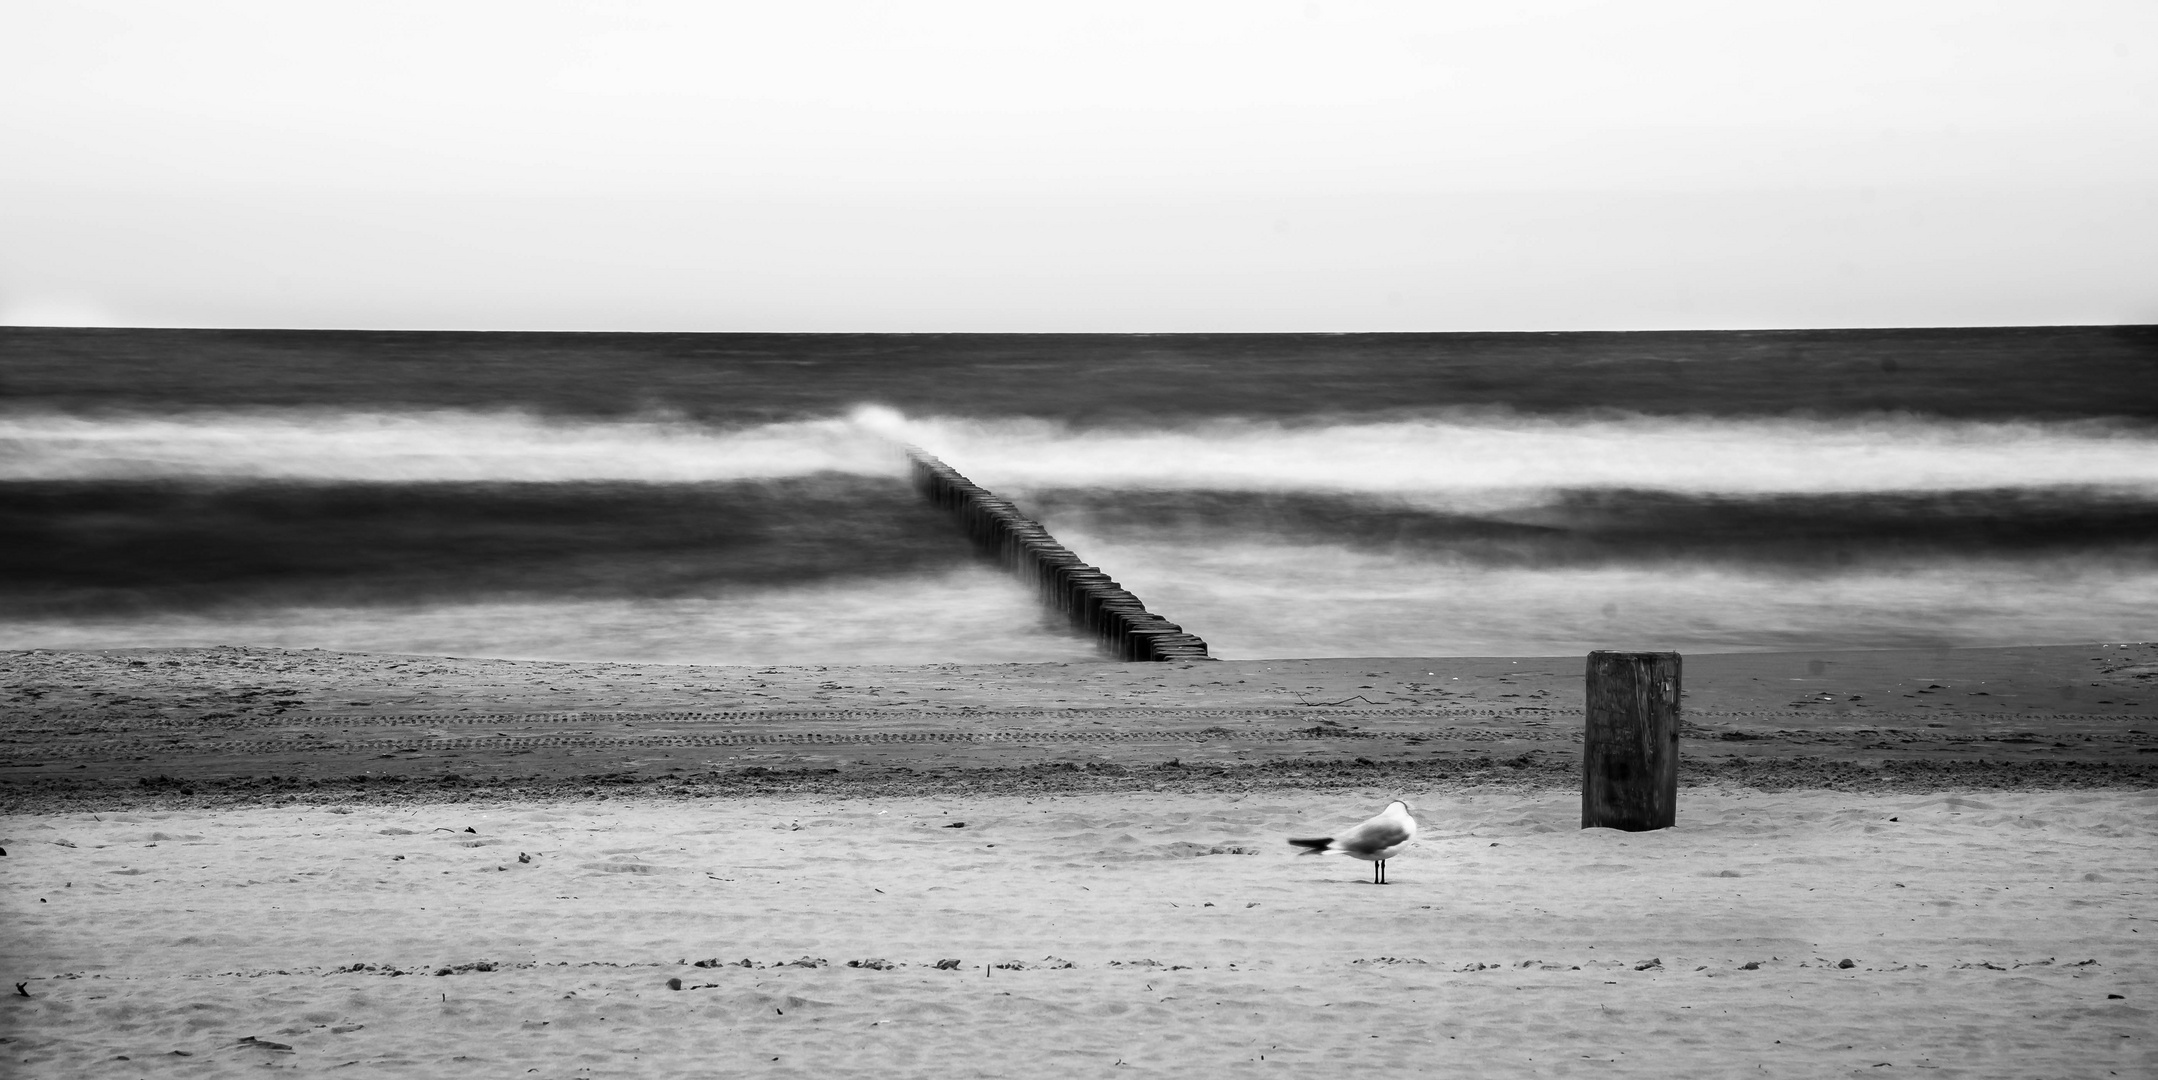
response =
{"points": [[91, 730], [1173, 934], [1096, 909]]}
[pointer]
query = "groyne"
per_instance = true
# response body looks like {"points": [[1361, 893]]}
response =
{"points": [[1095, 604]]}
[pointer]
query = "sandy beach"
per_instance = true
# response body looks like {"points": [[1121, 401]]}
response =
{"points": [[234, 859], [663, 539]]}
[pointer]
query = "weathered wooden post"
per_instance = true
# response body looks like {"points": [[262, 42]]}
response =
{"points": [[1629, 752]]}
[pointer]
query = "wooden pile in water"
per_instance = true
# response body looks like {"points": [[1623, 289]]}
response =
{"points": [[1093, 602]]}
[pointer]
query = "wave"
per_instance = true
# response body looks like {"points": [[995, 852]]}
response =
{"points": [[1789, 532], [971, 614], [94, 548], [1253, 599], [426, 446], [1447, 532], [1487, 460], [1462, 459]]}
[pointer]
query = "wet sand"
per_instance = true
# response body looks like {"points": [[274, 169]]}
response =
{"points": [[106, 729]]}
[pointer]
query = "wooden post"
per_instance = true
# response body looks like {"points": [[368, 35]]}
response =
{"points": [[1629, 752], [1020, 544]]}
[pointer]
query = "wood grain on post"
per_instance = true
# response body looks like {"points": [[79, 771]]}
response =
{"points": [[1629, 752]]}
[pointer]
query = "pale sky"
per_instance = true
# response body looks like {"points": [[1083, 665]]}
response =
{"points": [[1157, 166]]}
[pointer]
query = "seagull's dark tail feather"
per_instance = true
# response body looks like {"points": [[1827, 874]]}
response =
{"points": [[1313, 846]]}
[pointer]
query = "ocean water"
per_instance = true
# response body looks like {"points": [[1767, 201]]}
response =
{"points": [[742, 498]]}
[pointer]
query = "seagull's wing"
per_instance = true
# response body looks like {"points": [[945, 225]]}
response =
{"points": [[1378, 834]]}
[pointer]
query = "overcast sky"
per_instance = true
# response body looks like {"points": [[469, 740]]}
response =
{"points": [[1155, 166]]}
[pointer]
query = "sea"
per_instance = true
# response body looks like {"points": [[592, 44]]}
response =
{"points": [[743, 498]]}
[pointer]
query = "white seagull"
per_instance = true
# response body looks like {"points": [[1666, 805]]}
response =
{"points": [[1374, 841]]}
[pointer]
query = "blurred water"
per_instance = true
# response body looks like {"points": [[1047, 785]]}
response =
{"points": [[422, 446], [972, 615], [741, 499]]}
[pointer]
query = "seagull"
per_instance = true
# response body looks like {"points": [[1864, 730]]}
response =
{"points": [[1374, 841]]}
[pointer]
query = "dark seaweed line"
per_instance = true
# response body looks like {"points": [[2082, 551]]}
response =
{"points": [[111, 747], [1170, 714], [502, 742], [821, 715], [837, 715], [788, 716]]}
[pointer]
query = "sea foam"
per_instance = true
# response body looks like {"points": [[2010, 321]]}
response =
{"points": [[1482, 457], [427, 446], [1452, 457]]}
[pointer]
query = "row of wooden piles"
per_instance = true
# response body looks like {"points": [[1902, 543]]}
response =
{"points": [[1095, 604]]}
